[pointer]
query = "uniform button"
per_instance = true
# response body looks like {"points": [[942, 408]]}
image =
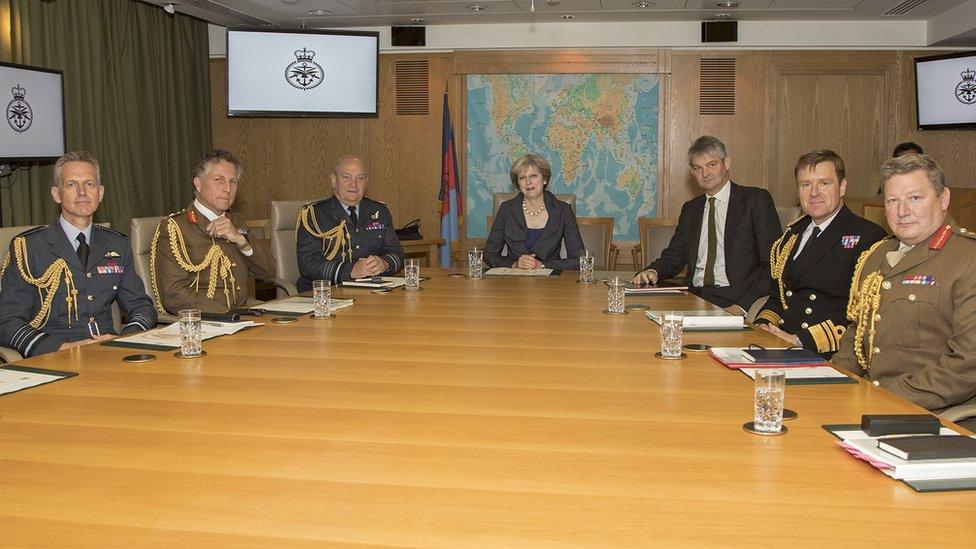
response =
{"points": [[877, 318], [781, 321], [91, 319], [886, 284], [233, 264], [789, 293], [88, 275], [238, 288], [813, 297], [808, 310], [877, 351], [115, 287], [90, 298], [804, 325], [962, 230], [911, 297], [876, 383], [357, 246]]}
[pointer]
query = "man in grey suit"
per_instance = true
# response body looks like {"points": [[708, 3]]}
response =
{"points": [[723, 237]]}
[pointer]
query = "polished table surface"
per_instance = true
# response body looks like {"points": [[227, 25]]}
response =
{"points": [[500, 412]]}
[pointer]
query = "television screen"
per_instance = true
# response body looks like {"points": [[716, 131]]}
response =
{"points": [[33, 106], [946, 91], [308, 73]]}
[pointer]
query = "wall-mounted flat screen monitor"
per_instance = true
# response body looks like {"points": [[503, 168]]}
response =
{"points": [[946, 91], [298, 74], [32, 100]]}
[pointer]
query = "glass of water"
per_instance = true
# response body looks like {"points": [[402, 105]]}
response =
{"points": [[321, 299], [190, 326], [586, 268], [615, 296], [770, 394], [412, 273], [672, 324], [475, 263]]}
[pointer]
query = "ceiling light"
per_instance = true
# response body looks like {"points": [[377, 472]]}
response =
{"points": [[418, 20], [723, 16], [568, 17], [476, 7], [643, 5], [319, 12], [169, 7], [727, 5], [552, 2], [290, 1]]}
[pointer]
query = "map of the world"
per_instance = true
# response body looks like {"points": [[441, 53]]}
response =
{"points": [[598, 131]]}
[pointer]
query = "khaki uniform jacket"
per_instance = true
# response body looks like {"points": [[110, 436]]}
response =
{"points": [[178, 289], [925, 344]]}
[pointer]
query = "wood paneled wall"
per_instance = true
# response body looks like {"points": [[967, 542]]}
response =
{"points": [[860, 103]]}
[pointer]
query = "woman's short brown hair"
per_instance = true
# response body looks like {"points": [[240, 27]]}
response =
{"points": [[527, 161]]}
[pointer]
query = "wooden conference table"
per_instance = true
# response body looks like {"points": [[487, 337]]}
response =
{"points": [[498, 413]]}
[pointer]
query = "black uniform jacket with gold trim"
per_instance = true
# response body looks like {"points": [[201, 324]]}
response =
{"points": [[373, 235], [817, 284], [109, 276], [924, 347]]}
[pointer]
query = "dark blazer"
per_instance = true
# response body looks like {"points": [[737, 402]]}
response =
{"points": [[373, 235], [108, 277], [509, 228], [751, 226], [817, 284]]}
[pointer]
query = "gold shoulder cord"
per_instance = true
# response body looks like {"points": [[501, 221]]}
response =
{"points": [[333, 240], [778, 255], [864, 304], [215, 260], [47, 284]]}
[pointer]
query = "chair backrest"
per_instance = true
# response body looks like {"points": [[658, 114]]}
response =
{"points": [[655, 235], [502, 197], [7, 234], [284, 214], [597, 234], [787, 214], [141, 231]]}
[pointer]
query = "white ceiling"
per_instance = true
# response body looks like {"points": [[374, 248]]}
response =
{"points": [[373, 13]]}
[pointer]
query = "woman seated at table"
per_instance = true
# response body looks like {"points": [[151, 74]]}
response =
{"points": [[534, 223]]}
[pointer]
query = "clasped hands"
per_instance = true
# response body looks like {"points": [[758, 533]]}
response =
{"points": [[223, 228], [369, 266], [528, 261]]}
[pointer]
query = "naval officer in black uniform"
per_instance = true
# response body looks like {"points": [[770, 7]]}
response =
{"points": [[348, 235], [813, 262], [59, 281]]}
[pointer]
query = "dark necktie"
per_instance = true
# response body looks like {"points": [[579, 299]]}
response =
{"points": [[353, 216], [712, 245], [816, 233], [83, 249]]}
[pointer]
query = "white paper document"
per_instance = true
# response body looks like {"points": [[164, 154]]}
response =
{"points": [[377, 282], [803, 372], [702, 320], [13, 380], [508, 271], [299, 305], [864, 446], [169, 336]]}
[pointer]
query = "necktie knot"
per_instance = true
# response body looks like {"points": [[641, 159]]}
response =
{"points": [[816, 233], [353, 216]]}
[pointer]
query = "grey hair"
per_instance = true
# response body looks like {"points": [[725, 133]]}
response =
{"points": [[706, 144]]}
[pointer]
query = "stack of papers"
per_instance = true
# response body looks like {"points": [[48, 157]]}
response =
{"points": [[388, 282], [168, 337], [863, 446], [697, 320], [807, 375], [736, 358], [507, 271], [299, 305]]}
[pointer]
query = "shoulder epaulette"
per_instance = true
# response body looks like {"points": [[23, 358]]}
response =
{"points": [[314, 202], [33, 230], [365, 198], [795, 221], [965, 232], [110, 230]]}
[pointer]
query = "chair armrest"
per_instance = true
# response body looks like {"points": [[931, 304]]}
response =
{"points": [[288, 287], [635, 254], [614, 253], [8, 355], [957, 413]]}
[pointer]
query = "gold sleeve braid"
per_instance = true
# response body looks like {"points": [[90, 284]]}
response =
{"points": [[863, 305], [215, 260], [47, 284], [333, 240]]}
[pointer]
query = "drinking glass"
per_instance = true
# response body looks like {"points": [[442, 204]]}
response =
{"points": [[412, 273], [586, 268], [672, 324], [190, 340], [321, 298], [770, 393], [475, 263], [615, 296]]}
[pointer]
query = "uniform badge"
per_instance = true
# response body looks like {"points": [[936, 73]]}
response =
{"points": [[375, 225], [111, 268], [304, 73], [966, 89], [921, 280], [112, 254], [19, 113], [192, 216], [376, 215], [850, 241]]}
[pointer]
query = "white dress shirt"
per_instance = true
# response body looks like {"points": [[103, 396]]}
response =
{"points": [[72, 232], [721, 210]]}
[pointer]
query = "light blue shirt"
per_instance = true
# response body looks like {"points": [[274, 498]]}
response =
{"points": [[72, 232]]}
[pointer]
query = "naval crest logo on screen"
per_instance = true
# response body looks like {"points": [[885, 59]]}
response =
{"points": [[966, 90], [304, 73], [19, 113]]}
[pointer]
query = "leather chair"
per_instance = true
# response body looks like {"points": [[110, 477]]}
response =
{"points": [[597, 234], [141, 231], [283, 227], [787, 214], [655, 235]]}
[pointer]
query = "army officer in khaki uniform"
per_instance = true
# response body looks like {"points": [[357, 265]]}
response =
{"points": [[201, 256], [913, 297]]}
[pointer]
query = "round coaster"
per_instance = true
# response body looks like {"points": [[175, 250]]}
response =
{"points": [[751, 428], [662, 357], [590, 282], [312, 316], [138, 359], [607, 312], [284, 319], [473, 278], [178, 354], [411, 291], [638, 307], [455, 275], [789, 414], [696, 347], [381, 291]]}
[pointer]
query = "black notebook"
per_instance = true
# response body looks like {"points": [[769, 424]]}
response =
{"points": [[782, 356], [929, 447]]}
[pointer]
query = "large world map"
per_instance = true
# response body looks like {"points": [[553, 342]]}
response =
{"points": [[598, 131]]}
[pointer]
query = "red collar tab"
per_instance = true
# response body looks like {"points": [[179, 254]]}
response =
{"points": [[192, 216], [940, 238]]}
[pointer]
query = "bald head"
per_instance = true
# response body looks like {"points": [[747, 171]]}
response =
{"points": [[349, 179]]}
